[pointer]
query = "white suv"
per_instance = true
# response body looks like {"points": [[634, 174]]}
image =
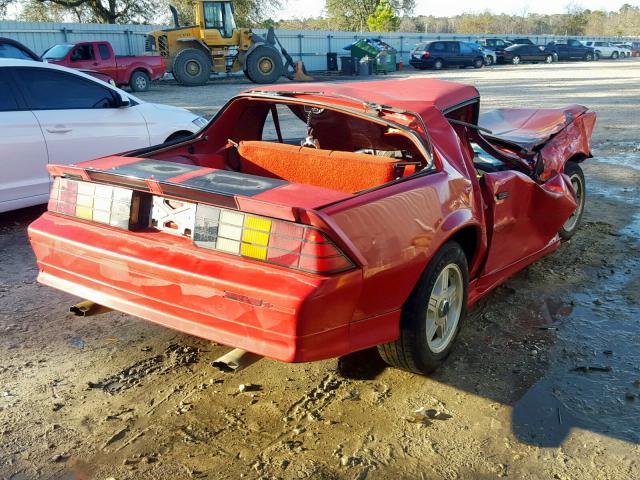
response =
{"points": [[604, 49]]}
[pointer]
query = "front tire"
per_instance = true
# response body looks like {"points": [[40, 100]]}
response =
{"points": [[139, 81], [264, 65], [614, 55], [478, 63], [432, 315], [576, 176], [588, 57], [192, 67], [438, 64], [516, 60], [488, 60], [549, 59]]}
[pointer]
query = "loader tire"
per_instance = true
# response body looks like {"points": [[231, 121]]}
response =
{"points": [[192, 67], [264, 65]]}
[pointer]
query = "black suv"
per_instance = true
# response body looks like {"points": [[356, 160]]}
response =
{"points": [[444, 53], [570, 49]]}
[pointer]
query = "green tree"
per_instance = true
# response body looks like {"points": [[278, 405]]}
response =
{"points": [[353, 14], [384, 18]]}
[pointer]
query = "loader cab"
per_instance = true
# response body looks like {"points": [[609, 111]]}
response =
{"points": [[216, 18]]}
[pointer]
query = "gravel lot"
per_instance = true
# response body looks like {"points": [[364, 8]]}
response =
{"points": [[115, 397]]}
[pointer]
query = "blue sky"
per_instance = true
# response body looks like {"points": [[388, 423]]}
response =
{"points": [[313, 8]]}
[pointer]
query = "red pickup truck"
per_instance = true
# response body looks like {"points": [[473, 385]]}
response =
{"points": [[135, 71]]}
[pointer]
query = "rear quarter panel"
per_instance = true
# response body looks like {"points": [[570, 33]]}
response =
{"points": [[397, 230], [153, 65]]}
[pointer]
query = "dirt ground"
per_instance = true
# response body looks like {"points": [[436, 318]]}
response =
{"points": [[544, 382]]}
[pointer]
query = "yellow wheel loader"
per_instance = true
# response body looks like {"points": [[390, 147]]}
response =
{"points": [[215, 44]]}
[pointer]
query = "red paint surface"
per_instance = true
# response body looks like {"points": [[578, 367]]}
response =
{"points": [[507, 218]]}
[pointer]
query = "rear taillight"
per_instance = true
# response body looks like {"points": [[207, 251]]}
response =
{"points": [[115, 206], [426, 55], [275, 241]]}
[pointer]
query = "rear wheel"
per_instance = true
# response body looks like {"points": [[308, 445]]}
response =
{"points": [[516, 60], [574, 172], [614, 55], [192, 67], [438, 64], [588, 57], [432, 315], [478, 63], [597, 55], [139, 81], [488, 60], [264, 65], [548, 59]]}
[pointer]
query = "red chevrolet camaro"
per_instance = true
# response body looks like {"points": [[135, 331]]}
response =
{"points": [[310, 221]]}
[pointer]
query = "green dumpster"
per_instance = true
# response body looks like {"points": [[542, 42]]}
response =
{"points": [[382, 54]]}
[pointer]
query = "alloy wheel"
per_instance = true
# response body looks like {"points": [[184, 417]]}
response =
{"points": [[444, 308]]}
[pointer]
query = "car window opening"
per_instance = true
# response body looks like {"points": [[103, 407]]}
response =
{"points": [[305, 144]]}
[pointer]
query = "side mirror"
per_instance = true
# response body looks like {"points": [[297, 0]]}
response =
{"points": [[123, 100]]}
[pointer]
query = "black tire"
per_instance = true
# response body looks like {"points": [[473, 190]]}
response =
{"points": [[192, 67], [411, 351], [575, 174], [438, 64], [615, 55], [264, 65], [516, 60], [478, 63], [596, 56], [139, 81], [488, 60], [548, 59], [588, 57]]}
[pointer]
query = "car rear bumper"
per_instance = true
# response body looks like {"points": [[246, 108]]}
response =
{"points": [[417, 63], [272, 311]]}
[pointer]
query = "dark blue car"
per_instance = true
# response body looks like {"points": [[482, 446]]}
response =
{"points": [[438, 54]]}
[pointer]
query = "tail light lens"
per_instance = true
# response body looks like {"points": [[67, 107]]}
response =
{"points": [[426, 55], [115, 206], [275, 241], [279, 242]]}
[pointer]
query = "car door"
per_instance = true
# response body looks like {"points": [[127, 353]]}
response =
{"points": [[561, 48], [79, 116], [524, 215], [108, 64], [23, 154], [83, 56], [453, 53], [467, 53], [576, 49], [534, 53]]}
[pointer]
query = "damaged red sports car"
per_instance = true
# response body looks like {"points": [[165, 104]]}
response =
{"points": [[310, 221]]}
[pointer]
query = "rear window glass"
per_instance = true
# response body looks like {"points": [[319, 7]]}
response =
{"points": [[104, 51]]}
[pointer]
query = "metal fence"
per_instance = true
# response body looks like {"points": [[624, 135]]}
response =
{"points": [[311, 46], [38, 36]]}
